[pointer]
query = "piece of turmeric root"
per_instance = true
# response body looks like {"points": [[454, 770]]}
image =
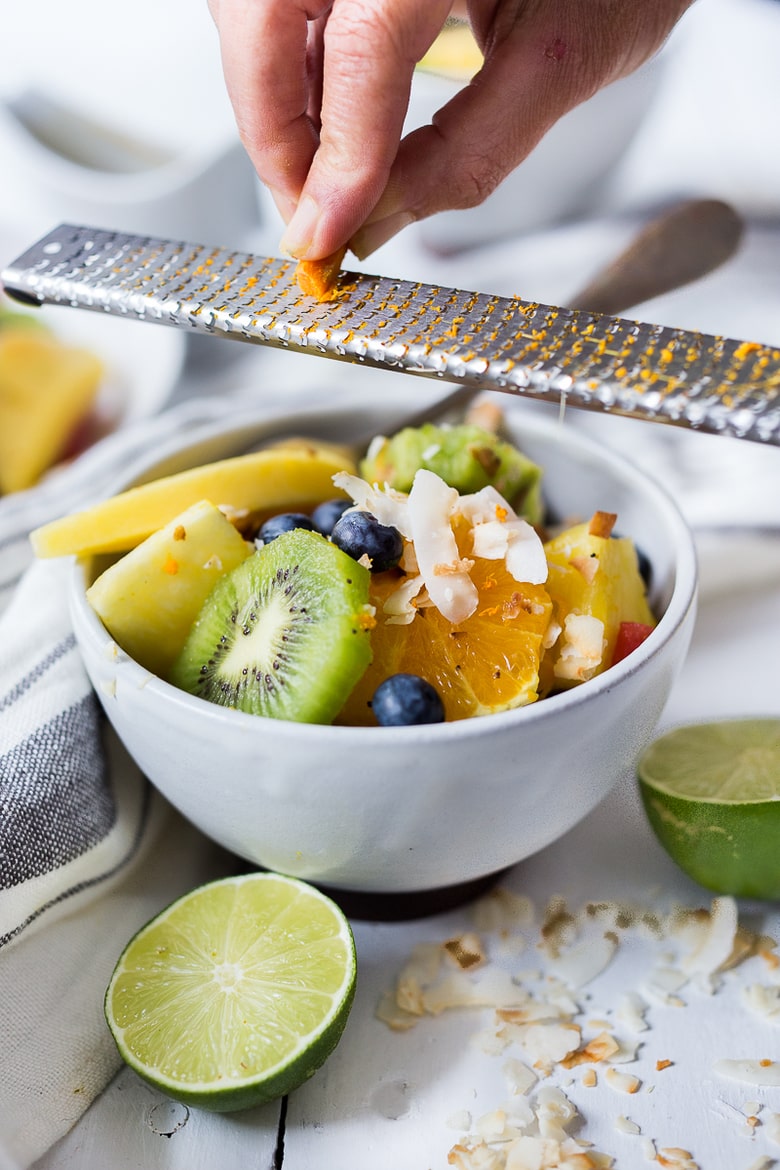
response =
{"points": [[317, 278]]}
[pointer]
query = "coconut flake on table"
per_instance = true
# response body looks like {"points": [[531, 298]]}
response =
{"points": [[585, 961], [750, 1072], [715, 944], [764, 1000]]}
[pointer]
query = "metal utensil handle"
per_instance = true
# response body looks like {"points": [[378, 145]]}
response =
{"points": [[591, 361]]}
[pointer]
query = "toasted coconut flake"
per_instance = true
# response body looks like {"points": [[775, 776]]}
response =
{"points": [[461, 1120], [494, 989], [626, 1125], [430, 506], [772, 1127], [474, 1155], [502, 910], [396, 1018], [559, 928], [584, 962], [750, 1072], [554, 1112], [587, 567], [385, 503], [582, 649], [764, 1000], [675, 1158], [498, 533], [602, 523], [589, 1078], [399, 606], [491, 1126], [762, 1162], [622, 1082], [519, 1077], [648, 1149], [549, 1044], [466, 951], [717, 943], [663, 982], [601, 1047], [631, 1011]]}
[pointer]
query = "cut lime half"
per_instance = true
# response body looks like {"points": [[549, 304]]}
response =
{"points": [[712, 794], [236, 993]]}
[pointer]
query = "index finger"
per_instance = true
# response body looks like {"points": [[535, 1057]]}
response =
{"points": [[264, 59], [371, 48]]}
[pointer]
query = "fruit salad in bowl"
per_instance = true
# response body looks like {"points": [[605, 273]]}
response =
{"points": [[395, 672]]}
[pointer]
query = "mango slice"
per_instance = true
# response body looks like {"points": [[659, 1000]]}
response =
{"points": [[149, 599], [260, 481], [46, 389]]}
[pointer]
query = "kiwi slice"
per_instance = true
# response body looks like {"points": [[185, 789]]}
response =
{"points": [[284, 635]]}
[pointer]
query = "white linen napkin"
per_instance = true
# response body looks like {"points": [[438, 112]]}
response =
{"points": [[88, 850]]}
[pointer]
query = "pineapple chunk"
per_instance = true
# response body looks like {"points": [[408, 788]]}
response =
{"points": [[263, 480], [46, 389], [597, 577], [149, 599]]}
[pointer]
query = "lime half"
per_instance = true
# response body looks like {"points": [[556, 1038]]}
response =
{"points": [[236, 993], [712, 794]]}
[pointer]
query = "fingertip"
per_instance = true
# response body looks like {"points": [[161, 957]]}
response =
{"points": [[301, 229]]}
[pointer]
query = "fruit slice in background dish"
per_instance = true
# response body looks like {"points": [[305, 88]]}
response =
{"points": [[149, 598], [487, 663], [236, 993], [46, 390], [285, 635], [290, 476], [711, 792]]}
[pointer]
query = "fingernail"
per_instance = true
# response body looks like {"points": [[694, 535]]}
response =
{"points": [[300, 230], [284, 204], [373, 235]]}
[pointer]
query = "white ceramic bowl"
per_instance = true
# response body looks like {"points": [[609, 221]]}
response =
{"points": [[388, 810]]}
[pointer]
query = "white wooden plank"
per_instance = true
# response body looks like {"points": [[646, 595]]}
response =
{"points": [[132, 1126]]}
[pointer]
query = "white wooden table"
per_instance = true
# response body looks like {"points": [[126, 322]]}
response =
{"points": [[388, 1099]]}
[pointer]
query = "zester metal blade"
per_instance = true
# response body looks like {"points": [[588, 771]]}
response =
{"points": [[705, 382]]}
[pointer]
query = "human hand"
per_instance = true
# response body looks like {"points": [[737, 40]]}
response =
{"points": [[320, 90]]}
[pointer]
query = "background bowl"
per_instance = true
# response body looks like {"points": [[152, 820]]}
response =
{"points": [[387, 810]]}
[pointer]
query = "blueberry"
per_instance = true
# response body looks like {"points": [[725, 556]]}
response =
{"points": [[360, 533], [326, 514], [404, 699], [285, 522]]}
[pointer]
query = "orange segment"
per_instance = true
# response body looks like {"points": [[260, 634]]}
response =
{"points": [[488, 663]]}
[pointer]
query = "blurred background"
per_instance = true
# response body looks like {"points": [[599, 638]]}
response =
{"points": [[116, 116]]}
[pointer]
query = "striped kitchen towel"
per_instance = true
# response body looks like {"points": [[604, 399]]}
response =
{"points": [[88, 850]]}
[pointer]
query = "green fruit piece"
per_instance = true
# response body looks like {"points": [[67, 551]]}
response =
{"points": [[466, 457], [285, 635], [236, 993], [149, 598], [712, 794]]}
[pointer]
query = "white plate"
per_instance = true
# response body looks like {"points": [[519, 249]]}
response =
{"points": [[141, 362]]}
